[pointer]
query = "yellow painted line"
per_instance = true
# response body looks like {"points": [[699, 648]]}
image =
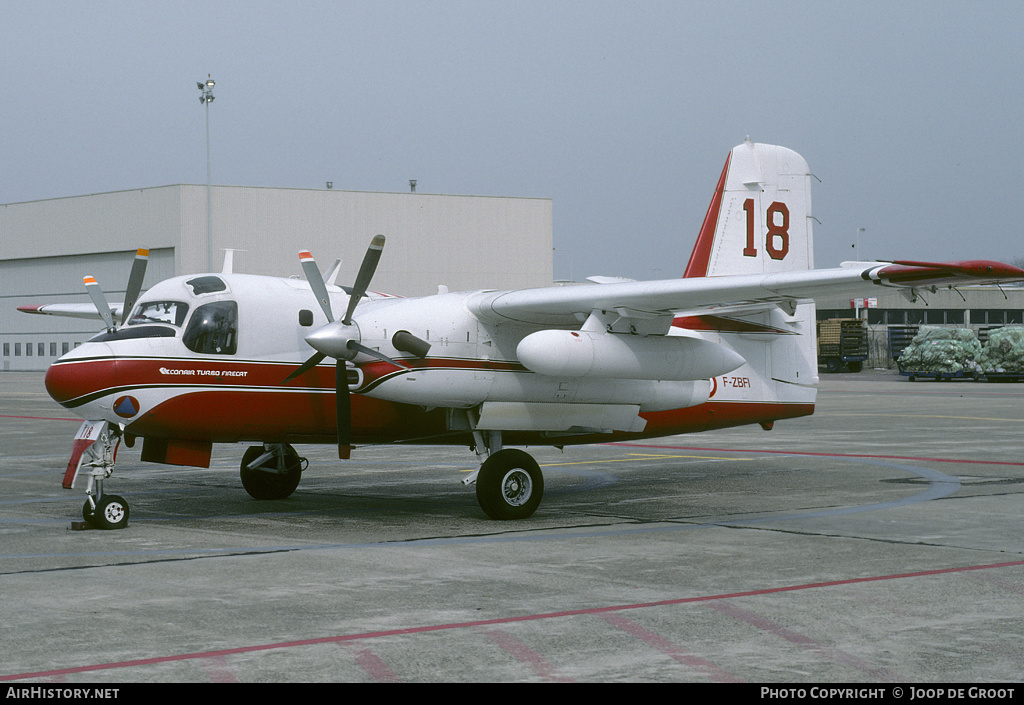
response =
{"points": [[634, 456], [928, 416]]}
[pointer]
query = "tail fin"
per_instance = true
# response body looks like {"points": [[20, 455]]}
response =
{"points": [[759, 220]]}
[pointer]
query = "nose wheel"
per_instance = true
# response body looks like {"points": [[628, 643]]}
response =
{"points": [[109, 511]]}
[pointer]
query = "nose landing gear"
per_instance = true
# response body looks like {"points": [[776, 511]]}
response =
{"points": [[95, 449]]}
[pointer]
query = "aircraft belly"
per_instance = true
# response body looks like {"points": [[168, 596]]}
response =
{"points": [[301, 416]]}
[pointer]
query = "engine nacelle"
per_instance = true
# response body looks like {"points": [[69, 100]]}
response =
{"points": [[565, 353]]}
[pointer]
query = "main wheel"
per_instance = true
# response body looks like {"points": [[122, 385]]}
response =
{"points": [[111, 512], [264, 481], [510, 485]]}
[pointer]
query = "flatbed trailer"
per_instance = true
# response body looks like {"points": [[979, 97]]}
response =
{"points": [[915, 375]]}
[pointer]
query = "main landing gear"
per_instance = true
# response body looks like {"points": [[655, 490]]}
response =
{"points": [[271, 471], [509, 483]]}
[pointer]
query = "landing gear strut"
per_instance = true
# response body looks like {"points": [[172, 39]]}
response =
{"points": [[271, 471]]}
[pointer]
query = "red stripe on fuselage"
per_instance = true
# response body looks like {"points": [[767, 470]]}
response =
{"points": [[74, 382], [227, 402]]}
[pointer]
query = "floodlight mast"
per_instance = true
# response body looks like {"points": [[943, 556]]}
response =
{"points": [[206, 97]]}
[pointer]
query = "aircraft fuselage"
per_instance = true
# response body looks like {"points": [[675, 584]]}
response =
{"points": [[202, 359]]}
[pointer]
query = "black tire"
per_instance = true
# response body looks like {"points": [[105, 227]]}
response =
{"points": [[269, 484], [510, 485], [855, 365], [111, 512]]}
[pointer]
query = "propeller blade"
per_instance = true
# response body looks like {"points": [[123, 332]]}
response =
{"points": [[359, 347], [343, 404], [305, 367], [366, 271], [99, 301], [138, 274], [316, 282]]}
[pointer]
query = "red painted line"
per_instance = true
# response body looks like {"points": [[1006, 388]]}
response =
{"points": [[219, 671], [524, 653], [669, 648], [38, 418], [806, 642], [374, 666], [817, 455], [499, 620]]}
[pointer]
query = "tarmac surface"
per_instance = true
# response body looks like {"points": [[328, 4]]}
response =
{"points": [[878, 541]]}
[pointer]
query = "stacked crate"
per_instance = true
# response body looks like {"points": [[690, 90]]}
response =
{"points": [[842, 341]]}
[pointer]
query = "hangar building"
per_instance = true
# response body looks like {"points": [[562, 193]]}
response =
{"points": [[461, 242]]}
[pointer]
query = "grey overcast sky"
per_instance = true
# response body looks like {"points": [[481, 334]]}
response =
{"points": [[910, 113]]}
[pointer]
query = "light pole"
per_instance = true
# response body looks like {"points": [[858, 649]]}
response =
{"points": [[206, 97], [569, 254], [856, 256]]}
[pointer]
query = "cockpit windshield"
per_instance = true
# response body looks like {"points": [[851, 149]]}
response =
{"points": [[170, 312], [213, 329]]}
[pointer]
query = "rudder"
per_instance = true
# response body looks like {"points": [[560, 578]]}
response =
{"points": [[759, 220]]}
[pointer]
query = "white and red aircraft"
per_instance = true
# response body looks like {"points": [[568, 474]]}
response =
{"points": [[225, 357]]}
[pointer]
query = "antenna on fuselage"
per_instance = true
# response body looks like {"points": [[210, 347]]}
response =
{"points": [[332, 275], [229, 261]]}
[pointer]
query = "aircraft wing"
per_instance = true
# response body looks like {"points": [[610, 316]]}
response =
{"points": [[566, 305], [84, 310]]}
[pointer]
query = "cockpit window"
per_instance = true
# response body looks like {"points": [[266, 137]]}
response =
{"points": [[213, 329], [172, 312], [207, 285]]}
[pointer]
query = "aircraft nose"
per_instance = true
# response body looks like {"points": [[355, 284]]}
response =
{"points": [[88, 369]]}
